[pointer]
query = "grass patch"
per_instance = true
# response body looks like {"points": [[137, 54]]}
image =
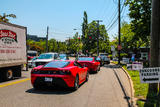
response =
{"points": [[141, 90]]}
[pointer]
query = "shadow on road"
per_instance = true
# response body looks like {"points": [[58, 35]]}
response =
{"points": [[50, 90], [126, 96]]}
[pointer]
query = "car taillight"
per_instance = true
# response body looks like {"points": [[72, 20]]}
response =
{"points": [[65, 72], [34, 72]]}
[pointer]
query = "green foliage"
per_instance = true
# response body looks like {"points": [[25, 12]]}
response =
{"points": [[84, 24], [140, 14], [74, 44], [4, 17], [128, 41], [140, 89], [54, 46], [91, 38]]}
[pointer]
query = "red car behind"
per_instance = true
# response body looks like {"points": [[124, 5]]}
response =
{"points": [[90, 62], [60, 73]]}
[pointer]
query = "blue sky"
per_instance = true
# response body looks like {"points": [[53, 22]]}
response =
{"points": [[62, 16]]}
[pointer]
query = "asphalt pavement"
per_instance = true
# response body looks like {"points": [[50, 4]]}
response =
{"points": [[108, 88]]}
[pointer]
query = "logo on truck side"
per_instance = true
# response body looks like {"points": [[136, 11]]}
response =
{"points": [[8, 36]]}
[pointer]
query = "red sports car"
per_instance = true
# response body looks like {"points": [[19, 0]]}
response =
{"points": [[59, 73], [90, 62]]}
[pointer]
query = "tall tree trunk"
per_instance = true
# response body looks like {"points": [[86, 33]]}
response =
{"points": [[155, 40]]}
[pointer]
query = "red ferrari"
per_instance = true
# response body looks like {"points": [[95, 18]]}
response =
{"points": [[90, 62], [59, 73]]}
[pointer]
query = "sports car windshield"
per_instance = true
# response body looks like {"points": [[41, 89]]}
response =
{"points": [[45, 56], [85, 59], [57, 64]]}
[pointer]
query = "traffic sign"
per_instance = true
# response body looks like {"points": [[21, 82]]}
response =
{"points": [[119, 47], [150, 75]]}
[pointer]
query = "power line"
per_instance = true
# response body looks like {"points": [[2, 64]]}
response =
{"points": [[104, 11], [111, 25]]}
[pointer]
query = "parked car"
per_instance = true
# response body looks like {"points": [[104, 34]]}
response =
{"points": [[63, 57], [30, 62], [59, 73], [98, 58], [45, 58], [31, 54], [90, 62], [105, 58]]}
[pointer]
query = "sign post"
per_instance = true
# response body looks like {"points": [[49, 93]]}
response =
{"points": [[150, 75]]}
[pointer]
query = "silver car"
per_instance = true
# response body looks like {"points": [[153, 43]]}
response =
{"points": [[45, 58]]}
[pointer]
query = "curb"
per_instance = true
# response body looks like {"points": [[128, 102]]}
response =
{"points": [[133, 101]]}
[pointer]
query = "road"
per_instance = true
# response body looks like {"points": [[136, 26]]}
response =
{"points": [[108, 88]]}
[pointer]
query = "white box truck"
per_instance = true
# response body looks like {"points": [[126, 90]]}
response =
{"points": [[13, 52]]}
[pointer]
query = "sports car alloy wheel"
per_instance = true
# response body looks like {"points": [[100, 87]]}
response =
{"points": [[76, 83]]}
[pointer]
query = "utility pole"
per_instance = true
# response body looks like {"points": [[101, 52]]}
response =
{"points": [[119, 30], [98, 36], [155, 40], [47, 39]]}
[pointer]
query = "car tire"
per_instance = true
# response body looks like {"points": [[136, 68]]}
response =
{"points": [[76, 83], [87, 76], [96, 71], [99, 68]]}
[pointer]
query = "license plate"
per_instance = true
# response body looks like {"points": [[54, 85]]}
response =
{"points": [[48, 79]]}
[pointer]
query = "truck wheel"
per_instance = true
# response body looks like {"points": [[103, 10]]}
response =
{"points": [[8, 74]]}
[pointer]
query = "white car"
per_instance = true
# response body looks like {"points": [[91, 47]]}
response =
{"points": [[30, 62], [45, 58]]}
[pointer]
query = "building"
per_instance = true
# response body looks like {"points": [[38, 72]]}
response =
{"points": [[35, 38]]}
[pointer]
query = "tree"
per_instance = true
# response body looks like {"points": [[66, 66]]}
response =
{"points": [[74, 44], [84, 29], [91, 38], [38, 46], [4, 17], [140, 14], [84, 24]]}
